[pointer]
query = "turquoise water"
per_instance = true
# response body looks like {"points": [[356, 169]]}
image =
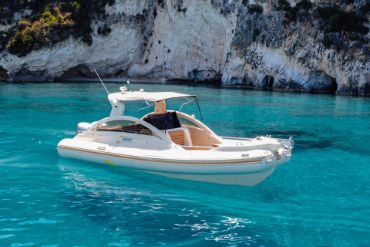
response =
{"points": [[320, 198]]}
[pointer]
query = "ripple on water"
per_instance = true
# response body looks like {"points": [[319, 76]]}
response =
{"points": [[4, 236], [22, 244], [12, 229], [41, 221]]}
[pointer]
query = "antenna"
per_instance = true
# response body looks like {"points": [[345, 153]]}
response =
{"points": [[201, 115], [101, 81]]}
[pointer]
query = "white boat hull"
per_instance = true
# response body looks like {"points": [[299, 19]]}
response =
{"points": [[246, 173]]}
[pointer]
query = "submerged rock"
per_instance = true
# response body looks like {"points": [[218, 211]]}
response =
{"points": [[271, 45]]}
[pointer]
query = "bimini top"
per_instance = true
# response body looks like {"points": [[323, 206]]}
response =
{"points": [[148, 96]]}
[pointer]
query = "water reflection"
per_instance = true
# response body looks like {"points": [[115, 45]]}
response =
{"points": [[134, 210]]}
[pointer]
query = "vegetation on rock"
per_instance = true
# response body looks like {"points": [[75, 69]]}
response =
{"points": [[337, 20], [291, 13], [49, 22], [339, 25], [52, 26], [104, 30], [255, 8]]}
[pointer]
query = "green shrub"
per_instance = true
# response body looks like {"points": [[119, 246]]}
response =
{"points": [[51, 22], [333, 40], [52, 26], [255, 8], [304, 5], [339, 25], [76, 6], [337, 20], [23, 24], [49, 18], [291, 13], [20, 44], [283, 5], [104, 30]]}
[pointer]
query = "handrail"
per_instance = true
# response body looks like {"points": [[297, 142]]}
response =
{"points": [[236, 138], [198, 147]]}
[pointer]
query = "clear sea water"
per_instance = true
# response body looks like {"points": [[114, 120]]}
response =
{"points": [[320, 198]]}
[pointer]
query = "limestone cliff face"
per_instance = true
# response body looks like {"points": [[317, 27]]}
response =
{"points": [[254, 44]]}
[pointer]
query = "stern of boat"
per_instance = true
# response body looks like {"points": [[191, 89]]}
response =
{"points": [[280, 148]]}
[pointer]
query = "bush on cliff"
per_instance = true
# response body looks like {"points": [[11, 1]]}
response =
{"points": [[51, 22], [291, 13], [337, 20], [255, 8], [339, 25], [104, 30], [52, 26], [304, 5]]}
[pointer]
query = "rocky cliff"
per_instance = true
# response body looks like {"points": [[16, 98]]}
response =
{"points": [[305, 46]]}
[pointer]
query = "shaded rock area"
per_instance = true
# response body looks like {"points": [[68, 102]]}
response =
{"points": [[205, 76], [80, 70], [365, 89], [283, 85], [268, 82], [25, 75], [319, 82], [295, 46], [3, 74]]}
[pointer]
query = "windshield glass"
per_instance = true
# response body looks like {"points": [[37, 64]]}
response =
{"points": [[142, 108], [138, 108], [127, 126]]}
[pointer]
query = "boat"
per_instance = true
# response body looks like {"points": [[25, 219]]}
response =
{"points": [[172, 143]]}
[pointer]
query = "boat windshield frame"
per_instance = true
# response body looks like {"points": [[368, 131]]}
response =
{"points": [[119, 97], [148, 96]]}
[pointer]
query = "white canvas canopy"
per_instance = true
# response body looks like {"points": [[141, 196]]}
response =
{"points": [[148, 96]]}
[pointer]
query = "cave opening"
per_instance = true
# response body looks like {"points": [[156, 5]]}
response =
{"points": [[3, 74], [268, 82], [78, 71], [333, 87], [366, 91]]}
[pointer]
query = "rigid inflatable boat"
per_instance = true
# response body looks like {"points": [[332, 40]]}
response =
{"points": [[173, 144]]}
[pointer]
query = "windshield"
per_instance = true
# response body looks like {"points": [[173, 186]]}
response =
{"points": [[142, 108]]}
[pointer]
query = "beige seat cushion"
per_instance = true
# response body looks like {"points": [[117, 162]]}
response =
{"points": [[178, 137]]}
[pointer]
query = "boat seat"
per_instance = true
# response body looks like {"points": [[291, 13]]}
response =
{"points": [[180, 136]]}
